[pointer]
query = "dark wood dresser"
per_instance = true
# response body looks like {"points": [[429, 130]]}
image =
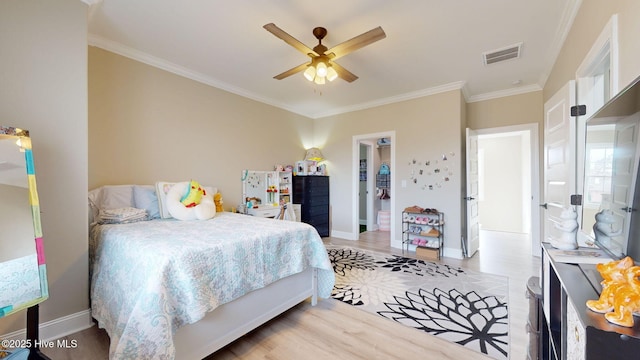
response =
{"points": [[312, 193]]}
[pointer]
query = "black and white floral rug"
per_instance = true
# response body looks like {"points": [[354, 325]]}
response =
{"points": [[458, 305]]}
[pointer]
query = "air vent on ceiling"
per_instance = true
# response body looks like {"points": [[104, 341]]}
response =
{"points": [[506, 53]]}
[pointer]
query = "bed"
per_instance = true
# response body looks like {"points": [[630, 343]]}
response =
{"points": [[164, 288]]}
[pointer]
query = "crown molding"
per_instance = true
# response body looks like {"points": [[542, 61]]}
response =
{"points": [[117, 48], [459, 85], [159, 63], [568, 16], [505, 93]]}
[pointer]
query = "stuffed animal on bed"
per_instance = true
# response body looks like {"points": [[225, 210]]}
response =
{"points": [[217, 199], [195, 209], [194, 194]]}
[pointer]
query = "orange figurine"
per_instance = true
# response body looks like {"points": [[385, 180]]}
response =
{"points": [[626, 299], [613, 278]]}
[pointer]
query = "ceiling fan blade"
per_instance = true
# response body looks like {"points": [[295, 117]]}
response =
{"points": [[357, 42], [343, 73], [295, 70], [281, 34]]}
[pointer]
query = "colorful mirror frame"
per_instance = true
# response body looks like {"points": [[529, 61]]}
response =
{"points": [[43, 294]]}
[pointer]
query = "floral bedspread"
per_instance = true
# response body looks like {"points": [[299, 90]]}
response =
{"points": [[151, 277], [19, 283]]}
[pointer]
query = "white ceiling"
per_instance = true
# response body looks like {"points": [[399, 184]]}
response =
{"points": [[431, 46]]}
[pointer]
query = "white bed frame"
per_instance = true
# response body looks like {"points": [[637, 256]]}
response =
{"points": [[232, 320]]}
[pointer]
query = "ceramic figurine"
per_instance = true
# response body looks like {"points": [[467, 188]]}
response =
{"points": [[568, 231], [603, 228]]}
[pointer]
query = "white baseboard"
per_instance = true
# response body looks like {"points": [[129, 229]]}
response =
{"points": [[57, 328], [452, 253], [344, 235]]}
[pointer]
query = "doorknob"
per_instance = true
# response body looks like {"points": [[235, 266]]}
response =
{"points": [[544, 205], [627, 209], [468, 198]]}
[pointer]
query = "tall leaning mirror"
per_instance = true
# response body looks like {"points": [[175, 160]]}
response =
{"points": [[612, 159], [23, 275]]}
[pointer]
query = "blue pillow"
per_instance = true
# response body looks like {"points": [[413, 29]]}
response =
{"points": [[145, 198]]}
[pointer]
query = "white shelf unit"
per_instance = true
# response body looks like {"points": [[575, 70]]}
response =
{"points": [[266, 190]]}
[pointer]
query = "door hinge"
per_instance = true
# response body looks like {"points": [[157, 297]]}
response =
{"points": [[576, 199], [578, 110]]}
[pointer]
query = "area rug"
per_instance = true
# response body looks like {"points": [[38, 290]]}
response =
{"points": [[455, 304]]}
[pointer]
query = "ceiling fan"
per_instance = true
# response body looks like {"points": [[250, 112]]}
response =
{"points": [[323, 65]]}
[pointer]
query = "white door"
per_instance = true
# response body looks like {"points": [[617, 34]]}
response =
{"points": [[559, 158], [473, 230], [623, 171]]}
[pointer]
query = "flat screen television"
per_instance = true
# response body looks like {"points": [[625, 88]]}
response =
{"points": [[611, 190]]}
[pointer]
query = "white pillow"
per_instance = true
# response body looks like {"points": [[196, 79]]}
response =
{"points": [[162, 189], [110, 197], [117, 196]]}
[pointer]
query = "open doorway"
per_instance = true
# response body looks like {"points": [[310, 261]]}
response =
{"points": [[373, 201], [508, 183]]}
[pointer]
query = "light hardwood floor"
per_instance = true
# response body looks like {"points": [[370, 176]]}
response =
{"points": [[335, 330]]}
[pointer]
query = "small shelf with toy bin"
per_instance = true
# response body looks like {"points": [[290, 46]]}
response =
{"points": [[423, 229], [264, 192]]}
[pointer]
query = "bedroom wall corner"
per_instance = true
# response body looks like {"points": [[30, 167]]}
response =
{"points": [[426, 128], [147, 124], [43, 68]]}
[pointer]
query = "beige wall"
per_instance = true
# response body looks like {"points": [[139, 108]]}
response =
{"points": [[425, 129], [148, 125], [506, 111], [519, 109], [587, 26], [43, 68]]}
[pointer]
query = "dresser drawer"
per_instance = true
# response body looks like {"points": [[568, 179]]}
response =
{"points": [[265, 212]]}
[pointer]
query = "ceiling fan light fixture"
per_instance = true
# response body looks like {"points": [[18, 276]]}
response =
{"points": [[331, 73], [322, 58], [321, 69], [310, 73]]}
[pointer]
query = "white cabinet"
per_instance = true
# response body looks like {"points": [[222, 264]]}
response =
{"points": [[264, 191], [576, 335], [570, 330]]}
